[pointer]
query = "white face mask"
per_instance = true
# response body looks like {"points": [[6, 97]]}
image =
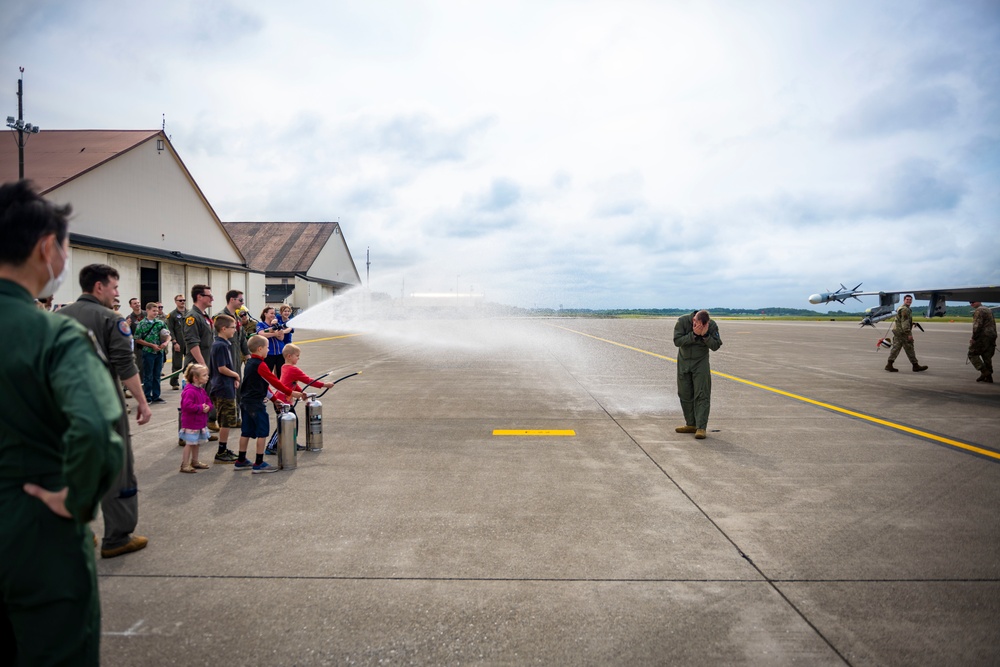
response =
{"points": [[54, 281]]}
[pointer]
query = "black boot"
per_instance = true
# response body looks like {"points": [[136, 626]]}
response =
{"points": [[982, 376], [890, 368], [917, 367]]}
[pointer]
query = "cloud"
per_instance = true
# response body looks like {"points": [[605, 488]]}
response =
{"points": [[596, 155], [415, 137], [894, 109]]}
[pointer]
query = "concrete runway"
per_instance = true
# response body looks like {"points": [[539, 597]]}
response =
{"points": [[836, 514]]}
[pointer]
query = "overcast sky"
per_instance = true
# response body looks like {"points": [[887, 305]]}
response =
{"points": [[545, 153]]}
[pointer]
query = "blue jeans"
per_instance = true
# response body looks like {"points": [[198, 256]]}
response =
{"points": [[152, 365]]}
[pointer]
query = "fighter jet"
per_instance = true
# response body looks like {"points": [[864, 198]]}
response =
{"points": [[888, 300]]}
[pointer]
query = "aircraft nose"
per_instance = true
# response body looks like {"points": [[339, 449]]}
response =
{"points": [[816, 298]]}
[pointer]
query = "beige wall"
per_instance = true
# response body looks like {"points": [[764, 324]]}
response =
{"points": [[128, 278], [254, 293], [171, 284], [145, 197], [334, 262]]}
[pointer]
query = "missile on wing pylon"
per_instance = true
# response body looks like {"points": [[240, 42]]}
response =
{"points": [[840, 295], [870, 321]]}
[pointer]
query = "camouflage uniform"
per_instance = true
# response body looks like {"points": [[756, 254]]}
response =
{"points": [[902, 336], [984, 342]]}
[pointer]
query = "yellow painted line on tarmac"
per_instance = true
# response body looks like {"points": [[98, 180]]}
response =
{"points": [[851, 413], [535, 432], [320, 340]]}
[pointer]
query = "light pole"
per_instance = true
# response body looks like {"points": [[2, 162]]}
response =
{"points": [[20, 127]]}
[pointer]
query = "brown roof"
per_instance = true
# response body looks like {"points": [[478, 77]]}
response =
{"points": [[280, 247], [53, 157]]}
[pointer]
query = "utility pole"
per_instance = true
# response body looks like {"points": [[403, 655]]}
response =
{"points": [[368, 268], [19, 126]]}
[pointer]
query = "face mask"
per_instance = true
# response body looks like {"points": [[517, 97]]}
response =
{"points": [[54, 281]]}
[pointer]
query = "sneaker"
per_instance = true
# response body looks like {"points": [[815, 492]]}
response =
{"points": [[137, 542], [187, 468], [227, 456], [213, 438], [299, 447], [213, 426], [264, 467], [685, 429], [244, 465], [157, 400], [174, 387], [198, 465], [270, 451]]}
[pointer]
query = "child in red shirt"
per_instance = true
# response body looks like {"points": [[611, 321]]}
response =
{"points": [[291, 375]]}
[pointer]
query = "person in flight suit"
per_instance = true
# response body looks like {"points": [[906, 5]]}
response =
{"points": [[59, 451], [902, 337], [175, 323], [120, 505], [198, 331], [199, 334], [695, 335]]}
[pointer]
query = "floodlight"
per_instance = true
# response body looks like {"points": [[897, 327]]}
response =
{"points": [[19, 124], [10, 120], [34, 129]]}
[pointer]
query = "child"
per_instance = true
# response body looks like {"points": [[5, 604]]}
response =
{"points": [[256, 424], [224, 380], [152, 337], [291, 375], [195, 405]]}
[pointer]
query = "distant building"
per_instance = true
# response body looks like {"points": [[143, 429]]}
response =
{"points": [[304, 263], [137, 208]]}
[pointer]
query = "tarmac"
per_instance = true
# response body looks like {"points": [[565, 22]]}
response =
{"points": [[836, 514]]}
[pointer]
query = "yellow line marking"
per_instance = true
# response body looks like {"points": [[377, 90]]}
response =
{"points": [[851, 413], [527, 432], [320, 340]]}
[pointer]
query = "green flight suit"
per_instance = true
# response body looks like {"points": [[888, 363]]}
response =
{"points": [[58, 408], [198, 333], [175, 322], [694, 374], [120, 505]]}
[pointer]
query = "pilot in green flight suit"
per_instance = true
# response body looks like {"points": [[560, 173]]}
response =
{"points": [[58, 448], [695, 335]]}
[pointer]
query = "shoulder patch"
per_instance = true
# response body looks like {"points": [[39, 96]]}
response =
{"points": [[189, 321], [124, 328]]}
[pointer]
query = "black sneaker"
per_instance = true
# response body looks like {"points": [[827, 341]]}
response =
{"points": [[227, 456]]}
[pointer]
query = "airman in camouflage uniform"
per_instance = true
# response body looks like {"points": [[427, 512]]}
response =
{"points": [[902, 337], [983, 343]]}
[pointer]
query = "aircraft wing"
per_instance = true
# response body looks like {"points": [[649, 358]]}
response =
{"points": [[985, 294], [887, 299]]}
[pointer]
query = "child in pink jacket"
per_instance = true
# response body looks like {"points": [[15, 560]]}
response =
{"points": [[195, 405]]}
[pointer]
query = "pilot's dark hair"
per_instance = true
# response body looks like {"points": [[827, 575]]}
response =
{"points": [[232, 294], [25, 217], [198, 290], [702, 316], [92, 274]]}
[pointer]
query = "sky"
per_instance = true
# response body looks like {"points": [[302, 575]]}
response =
{"points": [[611, 154]]}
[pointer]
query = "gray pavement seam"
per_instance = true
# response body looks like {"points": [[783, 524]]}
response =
{"points": [[705, 514]]}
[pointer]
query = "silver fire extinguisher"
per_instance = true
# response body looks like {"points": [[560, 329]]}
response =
{"points": [[286, 439], [314, 421]]}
